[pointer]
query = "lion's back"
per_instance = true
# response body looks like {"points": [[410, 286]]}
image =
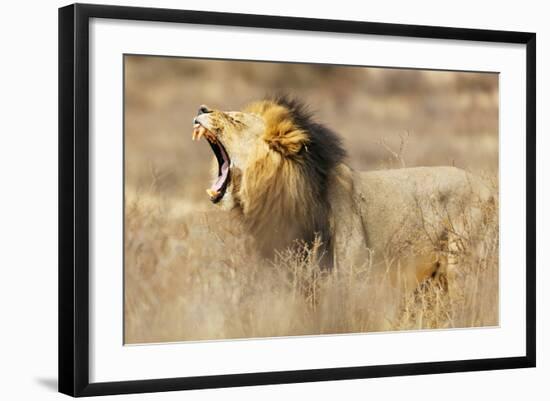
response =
{"points": [[411, 201], [444, 181]]}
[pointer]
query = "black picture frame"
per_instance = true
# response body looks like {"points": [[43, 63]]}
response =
{"points": [[74, 193]]}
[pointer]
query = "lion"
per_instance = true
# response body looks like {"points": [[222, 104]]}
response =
{"points": [[286, 178]]}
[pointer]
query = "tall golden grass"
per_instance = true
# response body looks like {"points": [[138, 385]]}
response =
{"points": [[190, 271], [198, 278]]}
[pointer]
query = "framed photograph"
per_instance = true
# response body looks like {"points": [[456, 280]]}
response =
{"points": [[250, 199]]}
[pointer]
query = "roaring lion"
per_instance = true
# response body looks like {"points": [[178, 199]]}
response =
{"points": [[284, 174]]}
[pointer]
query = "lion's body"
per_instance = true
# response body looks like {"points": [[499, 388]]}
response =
{"points": [[289, 183], [411, 218]]}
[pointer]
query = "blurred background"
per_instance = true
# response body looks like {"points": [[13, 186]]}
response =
{"points": [[190, 272], [444, 118]]}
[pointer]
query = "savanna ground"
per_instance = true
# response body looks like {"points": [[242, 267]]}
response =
{"points": [[192, 274]]}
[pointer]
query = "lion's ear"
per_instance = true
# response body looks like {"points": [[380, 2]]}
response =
{"points": [[284, 137]]}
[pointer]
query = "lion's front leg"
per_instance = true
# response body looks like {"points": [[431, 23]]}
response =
{"points": [[349, 247]]}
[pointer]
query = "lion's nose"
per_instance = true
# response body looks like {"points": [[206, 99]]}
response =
{"points": [[204, 109]]}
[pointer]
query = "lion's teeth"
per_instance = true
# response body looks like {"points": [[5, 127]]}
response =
{"points": [[202, 130], [199, 131], [212, 193]]}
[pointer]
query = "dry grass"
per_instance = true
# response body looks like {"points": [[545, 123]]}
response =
{"points": [[192, 274], [196, 278]]}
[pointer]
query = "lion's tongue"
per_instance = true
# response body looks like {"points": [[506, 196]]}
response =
{"points": [[217, 186]]}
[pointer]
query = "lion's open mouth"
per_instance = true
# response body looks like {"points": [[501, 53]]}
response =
{"points": [[218, 188]]}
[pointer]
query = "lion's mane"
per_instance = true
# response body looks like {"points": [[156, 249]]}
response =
{"points": [[283, 191]]}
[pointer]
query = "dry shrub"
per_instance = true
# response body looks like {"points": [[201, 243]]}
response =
{"points": [[197, 278]]}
